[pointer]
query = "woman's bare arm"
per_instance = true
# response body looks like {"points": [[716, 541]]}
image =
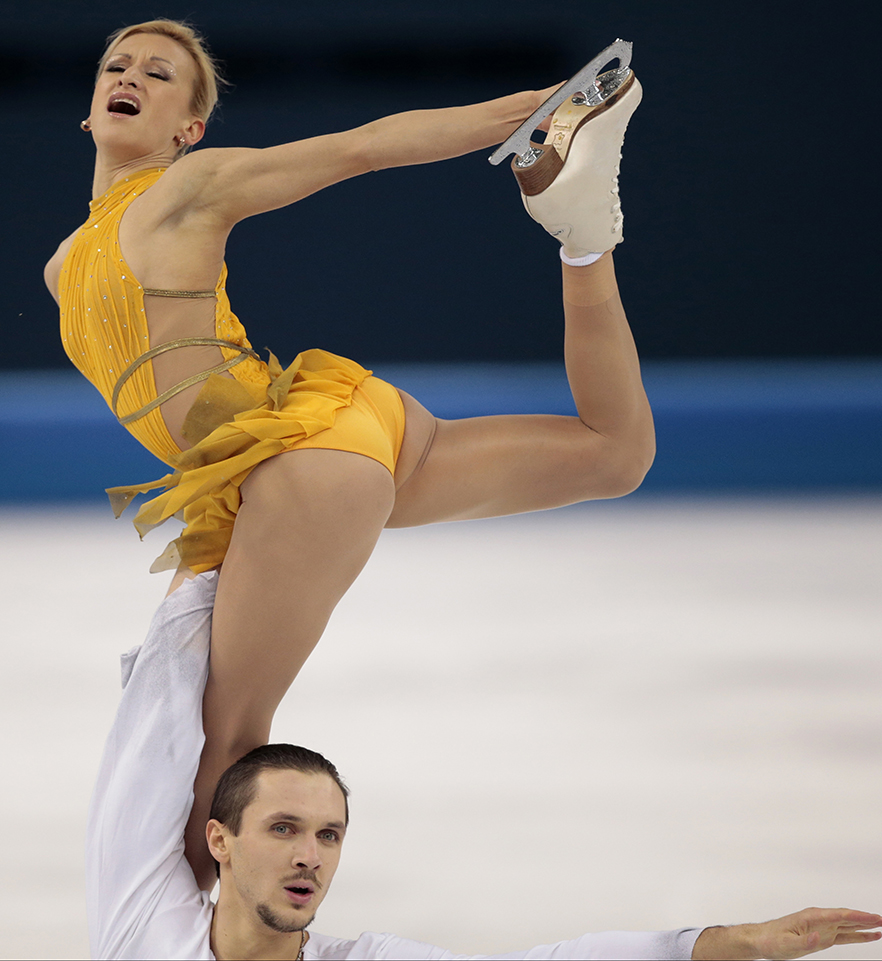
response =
{"points": [[235, 183]]}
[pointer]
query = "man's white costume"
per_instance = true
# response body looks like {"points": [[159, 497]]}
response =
{"points": [[143, 901]]}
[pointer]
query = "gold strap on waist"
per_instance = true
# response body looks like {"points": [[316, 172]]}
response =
{"points": [[189, 294], [184, 384]]}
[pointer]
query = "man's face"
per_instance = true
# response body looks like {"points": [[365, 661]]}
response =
{"points": [[287, 850]]}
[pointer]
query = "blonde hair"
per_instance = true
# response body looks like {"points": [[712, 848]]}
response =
{"points": [[208, 75]]}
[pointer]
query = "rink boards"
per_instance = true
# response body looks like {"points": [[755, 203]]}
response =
{"points": [[723, 426]]}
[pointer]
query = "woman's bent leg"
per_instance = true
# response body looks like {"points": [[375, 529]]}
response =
{"points": [[488, 466], [309, 521]]}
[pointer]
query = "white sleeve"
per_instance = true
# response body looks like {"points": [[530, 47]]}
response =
{"points": [[605, 945], [141, 895]]}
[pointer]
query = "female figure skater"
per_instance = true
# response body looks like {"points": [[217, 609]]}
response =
{"points": [[288, 477]]}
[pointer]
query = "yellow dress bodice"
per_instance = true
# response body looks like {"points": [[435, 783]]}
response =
{"points": [[104, 324]]}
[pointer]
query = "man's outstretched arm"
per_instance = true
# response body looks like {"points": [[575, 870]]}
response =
{"points": [[792, 937]]}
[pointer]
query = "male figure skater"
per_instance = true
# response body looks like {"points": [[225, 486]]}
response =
{"points": [[278, 822]]}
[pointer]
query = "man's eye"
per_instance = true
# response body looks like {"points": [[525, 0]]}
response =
{"points": [[281, 828], [330, 836]]}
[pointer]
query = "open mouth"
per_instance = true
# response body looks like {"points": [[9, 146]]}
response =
{"points": [[127, 106], [298, 894]]}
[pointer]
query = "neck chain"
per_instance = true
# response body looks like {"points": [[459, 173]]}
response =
{"points": [[303, 939]]}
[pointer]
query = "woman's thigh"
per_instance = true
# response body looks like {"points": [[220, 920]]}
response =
{"points": [[489, 466], [308, 523]]}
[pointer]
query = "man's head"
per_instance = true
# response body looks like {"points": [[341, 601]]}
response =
{"points": [[277, 824]]}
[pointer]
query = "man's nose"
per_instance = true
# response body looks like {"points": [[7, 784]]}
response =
{"points": [[307, 855]]}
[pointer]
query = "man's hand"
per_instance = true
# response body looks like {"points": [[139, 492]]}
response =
{"points": [[791, 937]]}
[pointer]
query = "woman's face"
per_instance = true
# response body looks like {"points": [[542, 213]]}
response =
{"points": [[141, 103]]}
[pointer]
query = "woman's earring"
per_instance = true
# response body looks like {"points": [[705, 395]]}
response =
{"points": [[180, 141], [85, 125]]}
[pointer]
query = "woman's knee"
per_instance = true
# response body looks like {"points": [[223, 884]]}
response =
{"points": [[619, 470]]}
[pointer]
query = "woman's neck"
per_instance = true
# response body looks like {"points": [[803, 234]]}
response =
{"points": [[108, 172]]}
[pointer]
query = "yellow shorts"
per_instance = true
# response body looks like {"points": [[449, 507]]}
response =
{"points": [[321, 402], [372, 425]]}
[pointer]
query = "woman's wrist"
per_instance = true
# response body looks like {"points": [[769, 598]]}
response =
{"points": [[425, 136]]}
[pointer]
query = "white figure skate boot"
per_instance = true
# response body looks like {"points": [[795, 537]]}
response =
{"points": [[569, 184]]}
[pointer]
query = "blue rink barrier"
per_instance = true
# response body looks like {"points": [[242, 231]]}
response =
{"points": [[723, 426]]}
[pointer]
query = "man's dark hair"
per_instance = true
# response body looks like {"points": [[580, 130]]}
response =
{"points": [[238, 784]]}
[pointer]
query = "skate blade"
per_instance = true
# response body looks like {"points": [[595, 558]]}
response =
{"points": [[582, 87]]}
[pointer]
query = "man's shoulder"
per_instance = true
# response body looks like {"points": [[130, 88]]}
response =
{"points": [[373, 945], [179, 928]]}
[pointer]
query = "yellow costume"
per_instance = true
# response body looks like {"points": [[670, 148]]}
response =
{"points": [[320, 401]]}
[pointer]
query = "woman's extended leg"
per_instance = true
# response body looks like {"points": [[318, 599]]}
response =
{"points": [[487, 466], [308, 523], [310, 519]]}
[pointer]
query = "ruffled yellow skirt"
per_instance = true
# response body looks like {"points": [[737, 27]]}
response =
{"points": [[321, 401]]}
